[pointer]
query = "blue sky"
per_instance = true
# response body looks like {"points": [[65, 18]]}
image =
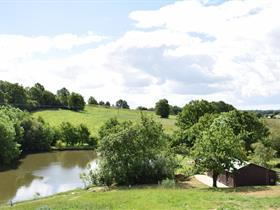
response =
{"points": [[109, 17], [143, 51]]}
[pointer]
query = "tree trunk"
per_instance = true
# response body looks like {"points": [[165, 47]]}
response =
{"points": [[215, 177]]}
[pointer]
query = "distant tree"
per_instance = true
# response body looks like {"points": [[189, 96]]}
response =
{"points": [[162, 108], [122, 104], [63, 96], [107, 104], [17, 96], [142, 108], [175, 110], [218, 149], [36, 93], [69, 133], [84, 134], [101, 103], [50, 100], [92, 101], [76, 102]]}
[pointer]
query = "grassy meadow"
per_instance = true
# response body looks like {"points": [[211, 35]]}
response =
{"points": [[94, 117], [189, 195]]}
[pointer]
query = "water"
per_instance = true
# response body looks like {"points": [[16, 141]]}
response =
{"points": [[44, 174]]}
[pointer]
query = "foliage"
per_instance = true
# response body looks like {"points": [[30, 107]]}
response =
{"points": [[142, 108], [63, 97], [196, 109], [218, 148], [38, 136], [107, 104], [133, 153], [76, 102], [183, 140], [9, 149], [101, 103], [69, 133], [168, 183], [122, 104], [175, 110], [248, 126], [162, 108], [92, 101], [73, 135], [262, 154]]}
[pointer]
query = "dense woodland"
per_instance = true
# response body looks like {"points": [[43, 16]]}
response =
{"points": [[213, 135]]}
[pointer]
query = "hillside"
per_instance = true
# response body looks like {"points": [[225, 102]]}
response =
{"points": [[189, 195], [94, 117]]}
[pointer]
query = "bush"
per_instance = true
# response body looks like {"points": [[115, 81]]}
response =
{"points": [[168, 183], [38, 136]]}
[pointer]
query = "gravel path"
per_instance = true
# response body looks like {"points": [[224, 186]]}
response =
{"points": [[208, 181]]}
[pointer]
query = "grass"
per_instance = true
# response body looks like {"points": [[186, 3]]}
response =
{"points": [[94, 117], [192, 195]]}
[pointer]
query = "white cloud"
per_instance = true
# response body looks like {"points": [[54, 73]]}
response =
{"points": [[181, 51]]}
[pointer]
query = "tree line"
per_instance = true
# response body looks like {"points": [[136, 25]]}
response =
{"points": [[21, 133], [37, 97]]}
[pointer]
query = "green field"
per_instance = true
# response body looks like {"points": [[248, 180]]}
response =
{"points": [[94, 117], [192, 195]]}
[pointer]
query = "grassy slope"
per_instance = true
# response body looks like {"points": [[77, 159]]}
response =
{"points": [[94, 117], [191, 197]]}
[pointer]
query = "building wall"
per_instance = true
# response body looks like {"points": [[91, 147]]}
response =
{"points": [[252, 175]]}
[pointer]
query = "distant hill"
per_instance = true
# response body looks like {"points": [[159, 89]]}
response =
{"points": [[94, 117]]}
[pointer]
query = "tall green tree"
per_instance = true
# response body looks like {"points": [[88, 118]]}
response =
{"points": [[63, 96], [92, 101], [76, 102], [122, 104], [218, 149], [162, 108]]}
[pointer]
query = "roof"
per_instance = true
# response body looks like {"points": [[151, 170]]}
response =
{"points": [[238, 165]]}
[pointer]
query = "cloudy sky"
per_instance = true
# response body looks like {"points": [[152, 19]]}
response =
{"points": [[145, 50]]}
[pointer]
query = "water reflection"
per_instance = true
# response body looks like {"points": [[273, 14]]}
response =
{"points": [[44, 174]]}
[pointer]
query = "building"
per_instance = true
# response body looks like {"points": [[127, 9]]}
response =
{"points": [[247, 174]]}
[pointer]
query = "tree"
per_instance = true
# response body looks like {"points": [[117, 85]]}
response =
{"points": [[84, 134], [69, 133], [36, 93], [63, 97], [133, 153], [218, 149], [262, 154], [101, 103], [197, 108], [76, 102], [162, 108], [248, 126], [175, 110], [9, 149], [107, 104], [38, 136], [2, 98], [92, 101], [142, 108], [122, 104]]}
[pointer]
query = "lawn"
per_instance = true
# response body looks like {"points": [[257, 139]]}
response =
{"points": [[190, 195], [94, 117]]}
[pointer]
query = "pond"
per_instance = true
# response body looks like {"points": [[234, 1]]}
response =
{"points": [[44, 174]]}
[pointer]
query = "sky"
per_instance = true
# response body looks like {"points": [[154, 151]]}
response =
{"points": [[146, 50]]}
